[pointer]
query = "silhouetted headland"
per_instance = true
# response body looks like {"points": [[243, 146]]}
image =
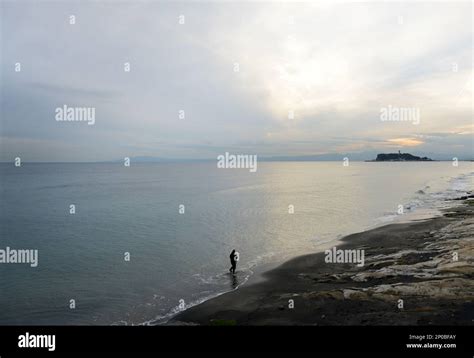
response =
{"points": [[399, 157]]}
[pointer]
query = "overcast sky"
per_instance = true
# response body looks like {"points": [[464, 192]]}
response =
{"points": [[333, 66]]}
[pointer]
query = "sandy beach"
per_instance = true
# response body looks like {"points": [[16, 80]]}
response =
{"points": [[416, 273]]}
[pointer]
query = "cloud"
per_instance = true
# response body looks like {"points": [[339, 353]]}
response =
{"points": [[406, 142], [311, 78]]}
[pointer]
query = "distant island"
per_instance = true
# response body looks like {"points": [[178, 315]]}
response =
{"points": [[399, 157]]}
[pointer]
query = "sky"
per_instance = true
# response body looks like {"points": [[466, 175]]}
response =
{"points": [[272, 79]]}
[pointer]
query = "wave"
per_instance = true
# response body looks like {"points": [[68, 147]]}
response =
{"points": [[426, 203]]}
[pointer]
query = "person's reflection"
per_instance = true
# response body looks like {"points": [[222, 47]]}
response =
{"points": [[234, 281]]}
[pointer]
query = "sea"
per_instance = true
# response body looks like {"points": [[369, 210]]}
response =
{"points": [[135, 245]]}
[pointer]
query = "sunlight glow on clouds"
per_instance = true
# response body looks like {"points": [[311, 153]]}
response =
{"points": [[406, 142], [345, 59]]}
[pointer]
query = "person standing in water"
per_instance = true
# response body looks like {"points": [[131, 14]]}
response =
{"points": [[233, 261]]}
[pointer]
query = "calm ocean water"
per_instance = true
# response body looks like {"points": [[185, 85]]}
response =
{"points": [[177, 256]]}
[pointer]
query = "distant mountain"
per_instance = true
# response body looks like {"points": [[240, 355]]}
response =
{"points": [[329, 157], [148, 159], [296, 158], [151, 159], [400, 157]]}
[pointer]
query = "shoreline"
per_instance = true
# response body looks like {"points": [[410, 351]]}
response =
{"points": [[409, 261]]}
